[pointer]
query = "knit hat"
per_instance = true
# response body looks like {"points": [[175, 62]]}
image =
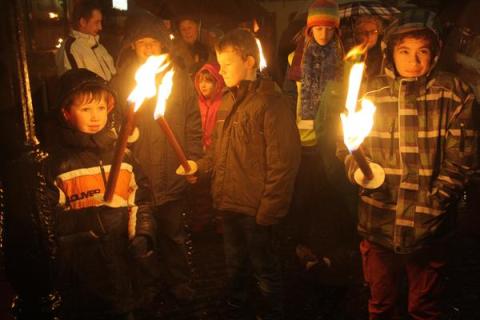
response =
{"points": [[323, 13]]}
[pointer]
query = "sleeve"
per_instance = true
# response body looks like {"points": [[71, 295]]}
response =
{"points": [[460, 154], [145, 223], [283, 149], [193, 125]]}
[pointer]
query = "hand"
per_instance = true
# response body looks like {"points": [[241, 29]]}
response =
{"points": [[140, 246], [350, 167], [192, 179]]}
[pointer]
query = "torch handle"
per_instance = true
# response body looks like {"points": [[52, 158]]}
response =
{"points": [[362, 163], [174, 143], [120, 147]]}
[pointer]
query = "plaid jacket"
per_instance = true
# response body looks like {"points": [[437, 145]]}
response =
{"points": [[425, 138]]}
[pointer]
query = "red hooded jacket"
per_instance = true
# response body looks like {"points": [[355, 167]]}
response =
{"points": [[209, 107]]}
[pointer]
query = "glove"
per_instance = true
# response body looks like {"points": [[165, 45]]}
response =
{"points": [[140, 246]]}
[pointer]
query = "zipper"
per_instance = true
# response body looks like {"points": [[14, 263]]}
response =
{"points": [[462, 137], [104, 176], [392, 137]]}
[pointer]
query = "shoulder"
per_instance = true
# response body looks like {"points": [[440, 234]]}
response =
{"points": [[443, 80]]}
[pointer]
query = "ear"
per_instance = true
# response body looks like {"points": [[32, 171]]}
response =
{"points": [[82, 22], [250, 62], [66, 114]]}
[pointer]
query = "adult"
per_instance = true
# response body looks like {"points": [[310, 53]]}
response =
{"points": [[82, 48]]}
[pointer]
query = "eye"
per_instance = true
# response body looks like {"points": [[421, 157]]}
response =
{"points": [[424, 52], [102, 108]]}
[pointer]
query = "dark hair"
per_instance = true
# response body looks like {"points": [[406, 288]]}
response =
{"points": [[207, 75], [424, 34], [84, 9], [242, 41], [87, 94]]}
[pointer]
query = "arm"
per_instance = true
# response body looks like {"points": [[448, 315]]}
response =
{"points": [[459, 155], [282, 160], [193, 125]]}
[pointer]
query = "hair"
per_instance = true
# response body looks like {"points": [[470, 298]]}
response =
{"points": [[84, 9], [242, 41], [206, 75], [368, 18], [88, 94], [422, 34]]}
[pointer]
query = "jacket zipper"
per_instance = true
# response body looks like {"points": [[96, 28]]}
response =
{"points": [[392, 138]]}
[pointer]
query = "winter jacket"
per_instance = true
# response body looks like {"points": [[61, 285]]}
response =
{"points": [[82, 50], [209, 107], [424, 137], [157, 159], [255, 153], [93, 238]]}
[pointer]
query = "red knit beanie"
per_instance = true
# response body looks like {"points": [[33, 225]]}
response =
{"points": [[323, 13]]}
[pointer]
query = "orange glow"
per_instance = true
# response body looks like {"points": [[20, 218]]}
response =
{"points": [[263, 62], [164, 90], [355, 52], [145, 78]]}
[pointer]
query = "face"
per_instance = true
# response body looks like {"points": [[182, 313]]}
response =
{"points": [[206, 87], [412, 57], [367, 32], [323, 34], [189, 31], [88, 118], [147, 47], [93, 25], [233, 68]]}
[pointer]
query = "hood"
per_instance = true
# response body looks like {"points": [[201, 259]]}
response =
{"points": [[213, 69], [410, 20], [77, 79]]}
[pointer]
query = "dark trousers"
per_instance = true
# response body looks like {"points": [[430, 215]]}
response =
{"points": [[248, 246], [383, 270], [171, 242]]}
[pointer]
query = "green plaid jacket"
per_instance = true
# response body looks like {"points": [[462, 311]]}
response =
{"points": [[425, 138]]}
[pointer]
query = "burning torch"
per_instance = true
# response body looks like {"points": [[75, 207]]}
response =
{"points": [[164, 89], [357, 124], [146, 88]]}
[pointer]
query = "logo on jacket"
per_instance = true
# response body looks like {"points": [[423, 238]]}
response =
{"points": [[83, 195]]}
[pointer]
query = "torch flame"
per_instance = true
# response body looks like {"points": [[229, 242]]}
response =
{"points": [[263, 62], [356, 124], [356, 52], [164, 90], [145, 78]]}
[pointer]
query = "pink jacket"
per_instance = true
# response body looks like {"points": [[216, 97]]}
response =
{"points": [[209, 107]]}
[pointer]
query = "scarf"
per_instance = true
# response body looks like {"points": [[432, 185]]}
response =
{"points": [[319, 65]]}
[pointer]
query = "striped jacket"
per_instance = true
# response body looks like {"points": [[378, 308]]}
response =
{"points": [[424, 136]]}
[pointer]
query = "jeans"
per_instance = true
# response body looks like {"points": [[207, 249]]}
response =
{"points": [[248, 246]]}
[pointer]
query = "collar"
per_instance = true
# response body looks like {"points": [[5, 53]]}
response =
{"points": [[91, 41]]}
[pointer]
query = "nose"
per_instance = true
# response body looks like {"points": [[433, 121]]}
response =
{"points": [[94, 115]]}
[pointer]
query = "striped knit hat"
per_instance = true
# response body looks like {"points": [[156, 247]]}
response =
{"points": [[323, 13]]}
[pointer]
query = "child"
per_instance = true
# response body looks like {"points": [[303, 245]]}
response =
{"points": [[209, 85], [93, 237], [156, 157], [424, 138], [254, 155]]}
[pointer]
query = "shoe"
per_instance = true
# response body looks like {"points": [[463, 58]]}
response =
{"points": [[183, 292]]}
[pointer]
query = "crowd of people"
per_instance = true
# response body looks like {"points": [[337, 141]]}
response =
{"points": [[264, 154]]}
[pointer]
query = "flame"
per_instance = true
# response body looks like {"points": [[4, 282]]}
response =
{"points": [[255, 26], [172, 37], [164, 90], [53, 15], [263, 62], [145, 78], [59, 43], [356, 52], [356, 124]]}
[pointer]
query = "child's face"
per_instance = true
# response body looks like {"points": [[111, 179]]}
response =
{"points": [[367, 32], [188, 31], [412, 57], [206, 87], [323, 34], [233, 68], [147, 47], [89, 117]]}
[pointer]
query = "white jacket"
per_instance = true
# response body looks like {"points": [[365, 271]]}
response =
{"points": [[81, 50]]}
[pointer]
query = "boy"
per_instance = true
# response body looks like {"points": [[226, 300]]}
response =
{"points": [[424, 138], [254, 157], [93, 237], [148, 37]]}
